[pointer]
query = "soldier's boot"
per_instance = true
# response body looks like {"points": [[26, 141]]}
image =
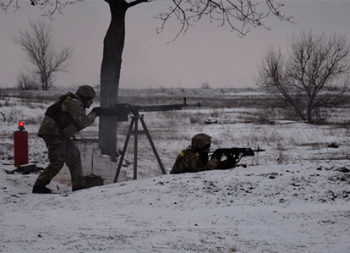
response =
{"points": [[41, 190]]}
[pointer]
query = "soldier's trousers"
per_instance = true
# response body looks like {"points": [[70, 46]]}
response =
{"points": [[61, 151]]}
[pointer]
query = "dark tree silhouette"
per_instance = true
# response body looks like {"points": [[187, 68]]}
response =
{"points": [[38, 44], [314, 73]]}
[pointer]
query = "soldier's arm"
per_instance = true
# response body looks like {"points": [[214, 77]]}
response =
{"points": [[197, 165], [212, 164], [77, 111]]}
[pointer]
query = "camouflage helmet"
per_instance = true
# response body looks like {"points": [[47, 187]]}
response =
{"points": [[201, 140], [86, 91]]}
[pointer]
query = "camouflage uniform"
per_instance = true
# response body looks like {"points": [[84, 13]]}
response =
{"points": [[188, 161], [61, 148], [195, 157]]}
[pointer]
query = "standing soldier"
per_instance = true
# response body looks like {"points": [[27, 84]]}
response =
{"points": [[196, 157], [62, 121]]}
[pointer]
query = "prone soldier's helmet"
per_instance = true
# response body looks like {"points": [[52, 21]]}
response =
{"points": [[200, 141], [86, 91]]}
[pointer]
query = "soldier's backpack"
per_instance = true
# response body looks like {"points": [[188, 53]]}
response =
{"points": [[63, 119]]}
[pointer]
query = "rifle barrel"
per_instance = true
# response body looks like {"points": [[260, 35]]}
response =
{"points": [[122, 110], [152, 108], [166, 107], [259, 150]]}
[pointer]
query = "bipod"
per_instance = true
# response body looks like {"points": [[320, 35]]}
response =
{"points": [[134, 124]]}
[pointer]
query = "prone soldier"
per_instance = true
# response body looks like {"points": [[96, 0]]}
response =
{"points": [[195, 157]]}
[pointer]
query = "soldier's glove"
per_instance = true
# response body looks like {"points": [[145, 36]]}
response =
{"points": [[231, 162], [97, 110]]}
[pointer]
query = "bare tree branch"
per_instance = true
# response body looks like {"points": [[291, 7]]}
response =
{"points": [[51, 7], [136, 2], [238, 15], [220, 12]]}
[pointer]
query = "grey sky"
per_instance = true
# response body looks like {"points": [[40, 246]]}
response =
{"points": [[206, 53]]}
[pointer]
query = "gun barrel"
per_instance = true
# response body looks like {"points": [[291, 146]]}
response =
{"points": [[166, 107], [259, 150], [122, 110], [154, 108]]}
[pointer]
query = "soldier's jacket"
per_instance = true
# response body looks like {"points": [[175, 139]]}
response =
{"points": [[76, 110], [188, 161]]}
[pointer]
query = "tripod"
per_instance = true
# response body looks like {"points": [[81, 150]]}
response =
{"points": [[133, 129]]}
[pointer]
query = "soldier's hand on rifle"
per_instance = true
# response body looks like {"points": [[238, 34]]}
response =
{"points": [[97, 110], [217, 155], [231, 162]]}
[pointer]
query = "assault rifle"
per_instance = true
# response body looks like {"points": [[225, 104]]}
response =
{"points": [[234, 155], [122, 110]]}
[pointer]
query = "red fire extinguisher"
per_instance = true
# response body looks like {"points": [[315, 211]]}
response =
{"points": [[20, 145]]}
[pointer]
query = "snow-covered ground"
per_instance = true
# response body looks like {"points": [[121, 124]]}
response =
{"points": [[294, 197]]}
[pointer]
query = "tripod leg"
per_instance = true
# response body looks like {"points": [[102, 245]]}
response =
{"points": [[135, 145], [152, 145], [124, 150]]}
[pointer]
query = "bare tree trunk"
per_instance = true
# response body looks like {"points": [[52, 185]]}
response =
{"points": [[110, 75], [309, 112]]}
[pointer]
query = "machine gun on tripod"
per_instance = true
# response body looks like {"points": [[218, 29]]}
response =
{"points": [[122, 112]]}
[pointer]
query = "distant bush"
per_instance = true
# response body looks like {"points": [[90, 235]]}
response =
{"points": [[205, 85], [2, 117], [196, 119]]}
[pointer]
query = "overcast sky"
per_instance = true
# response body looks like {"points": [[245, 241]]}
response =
{"points": [[205, 54]]}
